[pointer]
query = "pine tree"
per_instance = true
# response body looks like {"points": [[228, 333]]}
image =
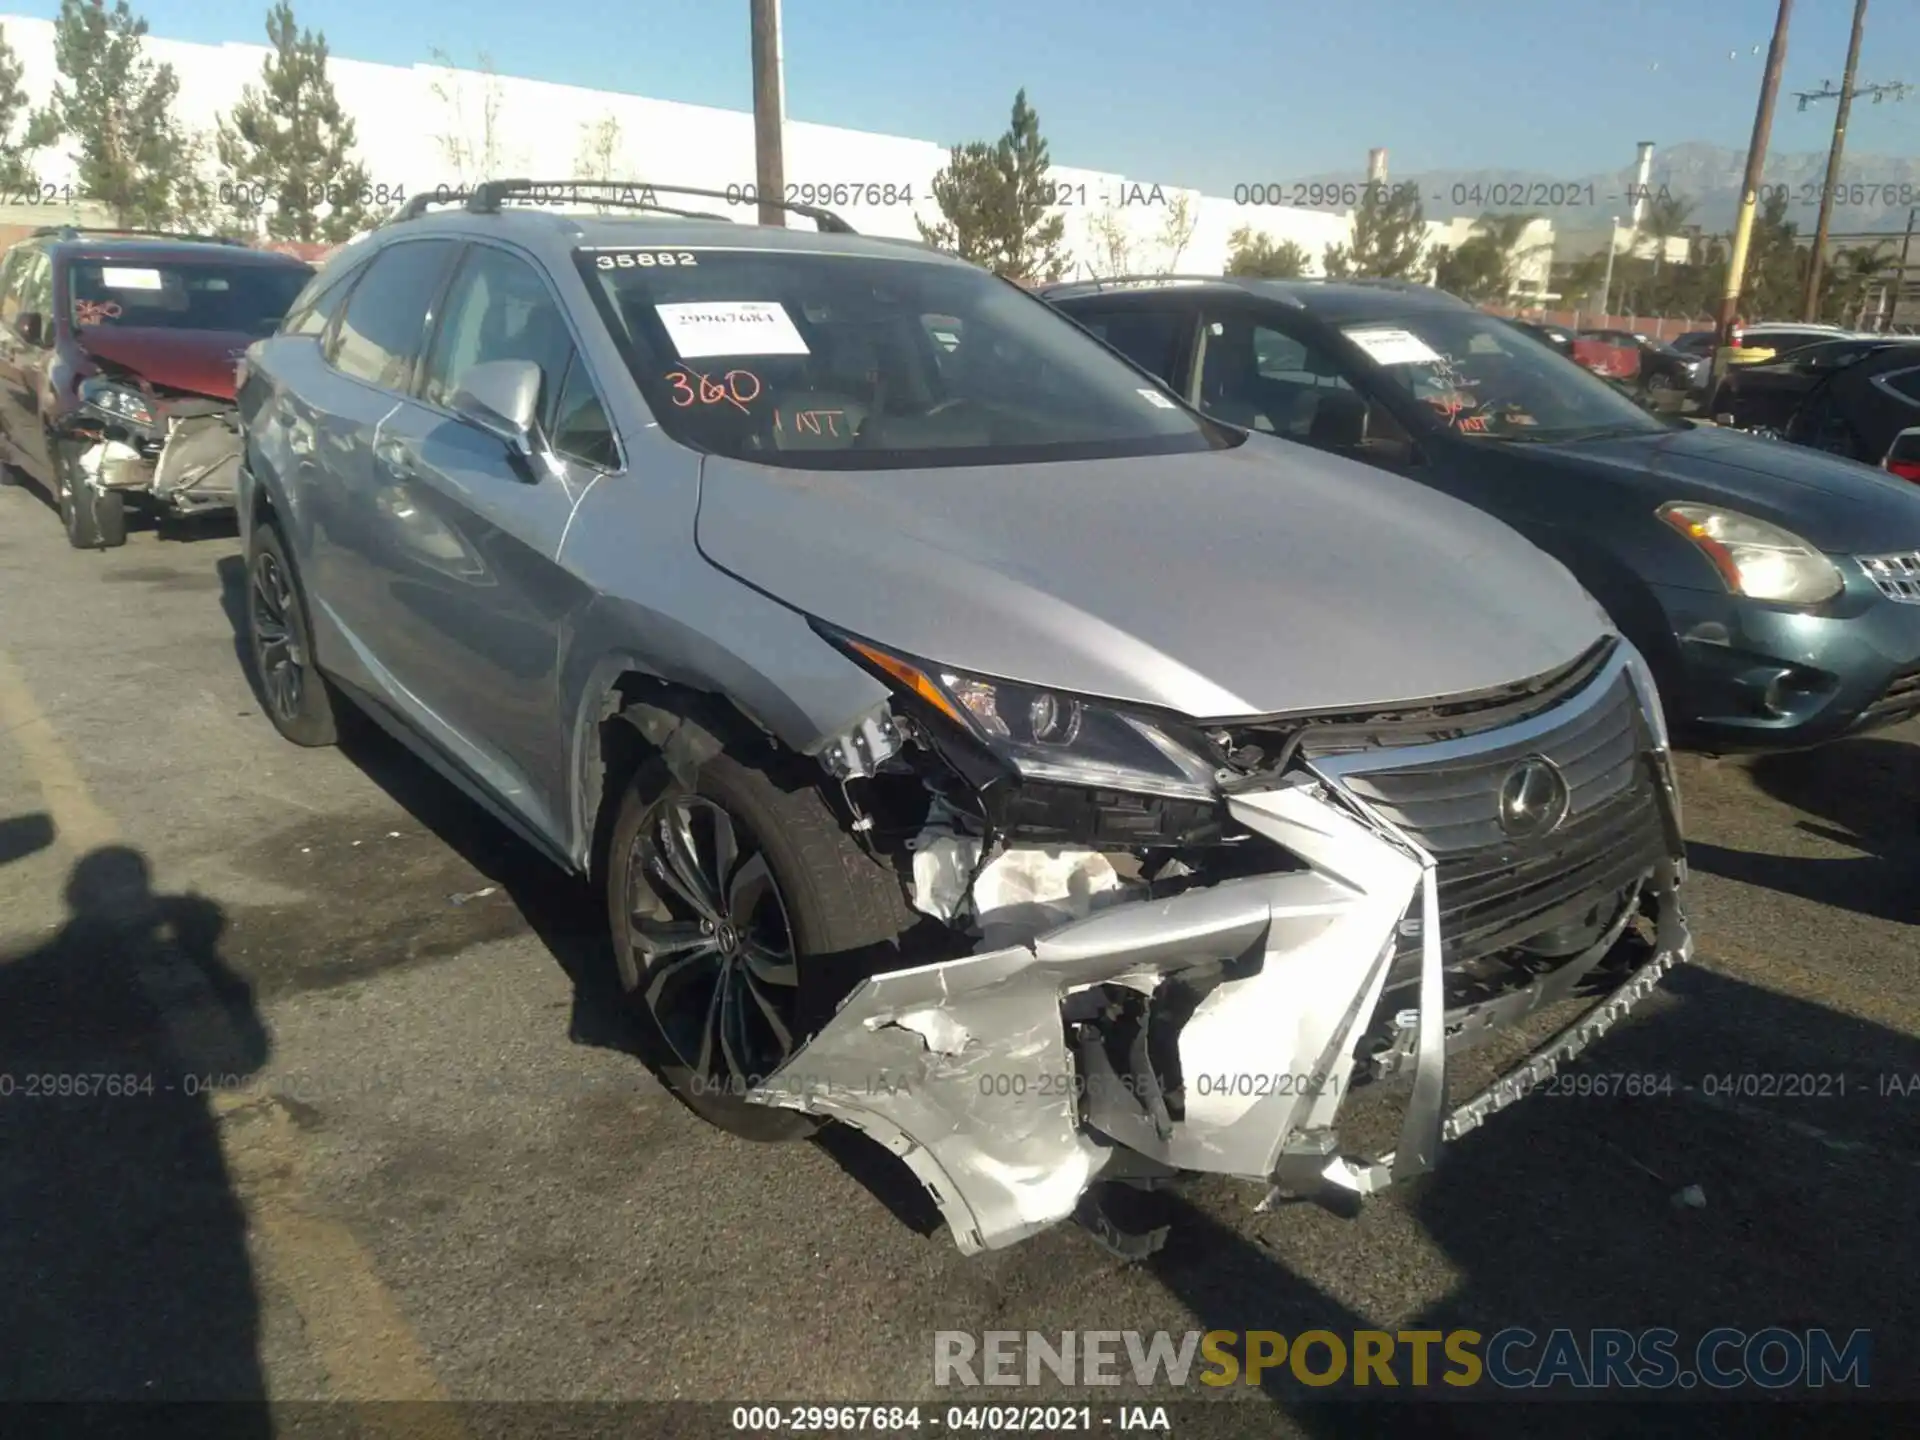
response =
{"points": [[114, 105], [1389, 237], [287, 146], [14, 173], [995, 202], [1254, 253]]}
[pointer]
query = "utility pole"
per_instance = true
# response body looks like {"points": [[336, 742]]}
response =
{"points": [[1606, 285], [769, 112], [1810, 302], [1900, 279], [1750, 188]]}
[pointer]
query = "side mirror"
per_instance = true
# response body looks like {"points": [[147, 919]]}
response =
{"points": [[30, 326], [502, 397]]}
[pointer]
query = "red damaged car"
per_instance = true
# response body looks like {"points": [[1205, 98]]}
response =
{"points": [[119, 354]]}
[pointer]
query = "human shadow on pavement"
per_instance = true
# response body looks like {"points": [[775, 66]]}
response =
{"points": [[123, 1254], [1866, 795]]}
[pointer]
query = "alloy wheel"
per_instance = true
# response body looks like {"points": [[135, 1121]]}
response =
{"points": [[709, 949], [276, 646]]}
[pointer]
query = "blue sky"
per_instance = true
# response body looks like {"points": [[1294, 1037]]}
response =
{"points": [[1211, 94]]}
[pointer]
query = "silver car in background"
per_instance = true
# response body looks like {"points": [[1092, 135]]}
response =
{"points": [[976, 745]]}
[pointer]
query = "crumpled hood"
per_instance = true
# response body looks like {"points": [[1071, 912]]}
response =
{"points": [[1838, 505], [201, 361], [1250, 581]]}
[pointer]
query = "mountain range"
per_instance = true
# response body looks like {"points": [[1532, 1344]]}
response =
{"points": [[1874, 192]]}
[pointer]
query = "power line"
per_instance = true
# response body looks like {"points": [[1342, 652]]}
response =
{"points": [[1898, 89]]}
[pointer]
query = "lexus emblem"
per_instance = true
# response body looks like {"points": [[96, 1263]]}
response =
{"points": [[1533, 799]]}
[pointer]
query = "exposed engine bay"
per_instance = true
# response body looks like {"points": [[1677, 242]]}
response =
{"points": [[1136, 987]]}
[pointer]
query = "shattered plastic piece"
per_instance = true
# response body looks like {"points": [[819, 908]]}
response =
{"points": [[942, 1033], [470, 895], [1690, 1197], [1023, 892], [942, 865]]}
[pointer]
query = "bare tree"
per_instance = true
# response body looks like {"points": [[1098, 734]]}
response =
{"points": [[1112, 245], [472, 150], [1176, 231], [601, 144]]}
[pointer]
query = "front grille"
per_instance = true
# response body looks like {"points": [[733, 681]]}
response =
{"points": [[1345, 733], [1453, 807], [1495, 891], [1895, 576], [1899, 701]]}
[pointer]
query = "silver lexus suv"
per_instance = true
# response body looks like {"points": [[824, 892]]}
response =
{"points": [[975, 745]]}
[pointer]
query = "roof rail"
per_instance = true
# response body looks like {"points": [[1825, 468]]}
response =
{"points": [[417, 203], [74, 232], [488, 195], [1376, 282], [463, 197], [1119, 281]]}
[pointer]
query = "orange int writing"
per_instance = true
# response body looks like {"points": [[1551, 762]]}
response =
{"points": [[813, 422]]}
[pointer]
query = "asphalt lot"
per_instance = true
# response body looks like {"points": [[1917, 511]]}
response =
{"points": [[436, 1167]]}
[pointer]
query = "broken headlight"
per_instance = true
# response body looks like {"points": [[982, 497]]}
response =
{"points": [[1053, 738], [122, 402]]}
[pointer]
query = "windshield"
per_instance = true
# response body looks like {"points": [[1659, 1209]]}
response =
{"points": [[241, 299], [1474, 376], [830, 361]]}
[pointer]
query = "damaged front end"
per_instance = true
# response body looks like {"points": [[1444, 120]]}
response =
{"points": [[177, 450], [1146, 982]]}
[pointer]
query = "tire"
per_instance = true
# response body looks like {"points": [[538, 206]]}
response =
{"points": [[298, 699], [842, 913], [94, 519]]}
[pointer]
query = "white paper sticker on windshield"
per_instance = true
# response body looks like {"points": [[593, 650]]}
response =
{"points": [[731, 327], [1154, 397], [1394, 347], [116, 277]]}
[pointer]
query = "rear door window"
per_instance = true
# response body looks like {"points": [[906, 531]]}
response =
{"points": [[316, 306], [1261, 378], [1149, 338], [386, 316]]}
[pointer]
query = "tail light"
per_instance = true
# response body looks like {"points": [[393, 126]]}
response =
{"points": [[1905, 469]]}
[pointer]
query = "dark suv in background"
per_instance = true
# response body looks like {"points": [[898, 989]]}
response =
{"points": [[118, 361], [1774, 590]]}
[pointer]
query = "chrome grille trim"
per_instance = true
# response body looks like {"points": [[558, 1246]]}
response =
{"points": [[1447, 795], [1895, 576], [1495, 891]]}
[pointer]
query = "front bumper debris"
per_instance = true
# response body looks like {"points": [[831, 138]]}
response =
{"points": [[964, 1070], [194, 466], [1011, 1080], [199, 466]]}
